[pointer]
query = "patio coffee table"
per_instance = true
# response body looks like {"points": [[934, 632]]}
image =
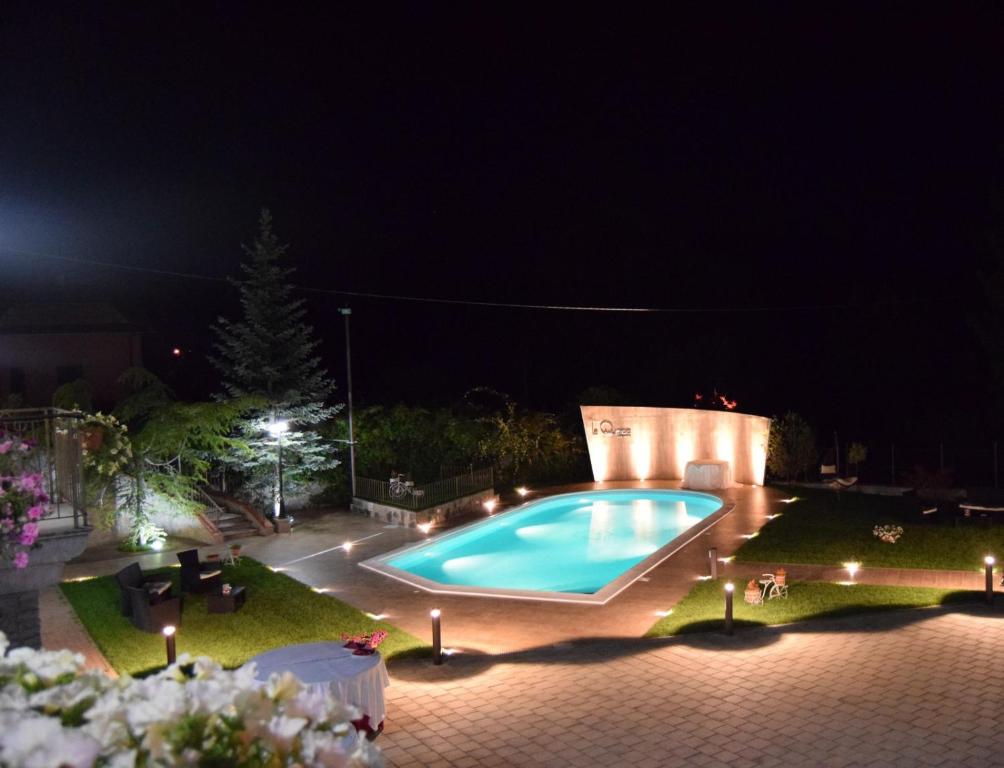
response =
{"points": [[217, 602]]}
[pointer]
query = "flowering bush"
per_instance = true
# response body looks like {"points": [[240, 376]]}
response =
{"points": [[888, 533], [195, 713], [22, 500]]}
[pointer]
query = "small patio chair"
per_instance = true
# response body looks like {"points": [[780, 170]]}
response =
{"points": [[158, 587], [196, 576], [151, 616]]}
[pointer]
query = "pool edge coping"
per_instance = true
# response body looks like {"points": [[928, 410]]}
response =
{"points": [[608, 592]]}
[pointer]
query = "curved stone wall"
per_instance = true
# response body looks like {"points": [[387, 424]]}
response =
{"points": [[633, 443]]}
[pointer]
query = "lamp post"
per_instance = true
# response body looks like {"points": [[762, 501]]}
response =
{"points": [[346, 312], [277, 429], [437, 637], [729, 587], [988, 566], [169, 640]]}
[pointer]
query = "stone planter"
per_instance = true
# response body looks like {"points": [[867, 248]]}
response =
{"points": [[282, 525], [19, 588]]}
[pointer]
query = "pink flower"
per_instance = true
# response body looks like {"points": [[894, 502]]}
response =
{"points": [[28, 534], [36, 512], [31, 482], [21, 560], [5, 446]]}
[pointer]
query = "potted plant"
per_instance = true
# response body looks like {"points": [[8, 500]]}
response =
{"points": [[753, 596]]}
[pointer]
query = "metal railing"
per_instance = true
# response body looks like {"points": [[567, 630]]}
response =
{"points": [[57, 455], [428, 495]]}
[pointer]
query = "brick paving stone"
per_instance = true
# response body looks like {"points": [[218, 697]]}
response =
{"points": [[895, 690]]}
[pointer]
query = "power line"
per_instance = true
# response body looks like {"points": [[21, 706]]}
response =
{"points": [[457, 302]]}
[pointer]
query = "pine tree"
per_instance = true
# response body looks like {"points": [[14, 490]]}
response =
{"points": [[270, 353]]}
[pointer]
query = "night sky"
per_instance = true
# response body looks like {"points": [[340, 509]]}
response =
{"points": [[838, 165]]}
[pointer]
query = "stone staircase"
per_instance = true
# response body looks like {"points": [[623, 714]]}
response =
{"points": [[235, 526]]}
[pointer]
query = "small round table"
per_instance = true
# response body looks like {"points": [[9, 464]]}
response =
{"points": [[330, 668]]}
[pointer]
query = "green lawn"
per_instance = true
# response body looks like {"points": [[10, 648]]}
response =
{"points": [[824, 527], [703, 609], [279, 611]]}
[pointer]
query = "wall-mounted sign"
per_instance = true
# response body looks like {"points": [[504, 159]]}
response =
{"points": [[606, 427]]}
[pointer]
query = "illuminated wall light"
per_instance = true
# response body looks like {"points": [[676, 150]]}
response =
{"points": [[490, 505], [748, 535], [726, 560], [685, 451], [378, 616], [599, 457], [664, 613], [704, 578], [424, 527], [641, 456], [725, 447], [522, 491], [789, 500], [347, 546], [758, 459]]}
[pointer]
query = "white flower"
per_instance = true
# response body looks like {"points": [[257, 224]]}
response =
{"points": [[34, 741]]}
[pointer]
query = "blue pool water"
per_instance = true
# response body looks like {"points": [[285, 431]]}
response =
{"points": [[570, 543]]}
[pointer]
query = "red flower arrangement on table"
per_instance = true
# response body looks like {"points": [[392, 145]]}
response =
{"points": [[364, 645]]}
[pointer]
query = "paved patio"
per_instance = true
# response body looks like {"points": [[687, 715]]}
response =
{"points": [[911, 688]]}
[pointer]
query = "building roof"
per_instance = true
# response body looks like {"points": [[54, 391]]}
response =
{"points": [[72, 317]]}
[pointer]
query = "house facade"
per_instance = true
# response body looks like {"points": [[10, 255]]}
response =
{"points": [[43, 346]]}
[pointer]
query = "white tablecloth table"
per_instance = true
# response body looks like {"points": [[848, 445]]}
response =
{"points": [[707, 475], [328, 667]]}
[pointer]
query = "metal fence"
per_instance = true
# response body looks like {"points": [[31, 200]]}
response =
{"points": [[57, 455], [398, 493]]}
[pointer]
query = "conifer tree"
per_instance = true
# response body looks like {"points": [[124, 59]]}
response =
{"points": [[271, 353]]}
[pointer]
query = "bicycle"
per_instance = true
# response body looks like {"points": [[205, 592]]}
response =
{"points": [[399, 487]]}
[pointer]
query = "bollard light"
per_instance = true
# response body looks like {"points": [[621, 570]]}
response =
{"points": [[729, 589], [988, 565], [437, 637], [169, 631], [713, 562]]}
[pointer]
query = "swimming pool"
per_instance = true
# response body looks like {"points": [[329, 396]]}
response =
{"points": [[578, 547]]}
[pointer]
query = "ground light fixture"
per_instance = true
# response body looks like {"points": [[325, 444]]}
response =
{"points": [[988, 567], [490, 505], [424, 527], [347, 546], [169, 632], [437, 637], [729, 589], [522, 491], [852, 569]]}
